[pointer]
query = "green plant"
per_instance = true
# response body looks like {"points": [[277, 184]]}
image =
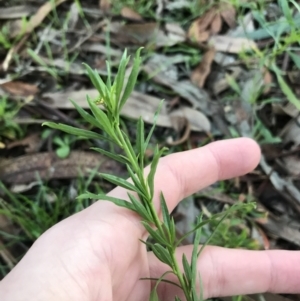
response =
{"points": [[8, 127], [112, 96]]}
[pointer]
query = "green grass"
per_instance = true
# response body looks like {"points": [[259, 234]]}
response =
{"points": [[9, 129], [34, 212]]}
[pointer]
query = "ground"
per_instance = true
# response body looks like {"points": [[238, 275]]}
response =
{"points": [[223, 68]]}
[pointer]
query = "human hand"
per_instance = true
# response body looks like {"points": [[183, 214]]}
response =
{"points": [[96, 254]]}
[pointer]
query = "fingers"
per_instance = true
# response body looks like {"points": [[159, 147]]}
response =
{"points": [[182, 174], [227, 272]]}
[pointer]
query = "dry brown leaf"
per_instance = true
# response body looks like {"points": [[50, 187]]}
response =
{"points": [[34, 22], [149, 32], [105, 5], [200, 74], [177, 123], [14, 27], [231, 44], [205, 20], [18, 88], [201, 28], [228, 14], [41, 14], [138, 104], [32, 143], [194, 34], [267, 80], [129, 13], [15, 12], [216, 24]]}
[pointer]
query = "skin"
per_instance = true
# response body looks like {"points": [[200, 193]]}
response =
{"points": [[96, 255]]}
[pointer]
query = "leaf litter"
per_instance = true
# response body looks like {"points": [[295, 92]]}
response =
{"points": [[214, 61]]}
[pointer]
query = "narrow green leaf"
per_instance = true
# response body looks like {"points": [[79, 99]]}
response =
{"points": [[140, 140], [287, 11], [102, 118], [139, 208], [172, 230], [194, 269], [285, 88], [177, 298], [201, 224], [110, 155], [86, 116], [153, 126], [132, 78], [130, 148], [92, 75], [136, 180], [187, 270], [119, 80], [108, 81], [153, 166], [163, 280], [153, 295], [116, 201], [105, 92], [119, 182], [75, 131], [165, 212], [153, 233], [162, 254]]}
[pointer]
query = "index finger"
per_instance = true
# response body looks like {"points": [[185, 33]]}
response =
{"points": [[182, 174]]}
